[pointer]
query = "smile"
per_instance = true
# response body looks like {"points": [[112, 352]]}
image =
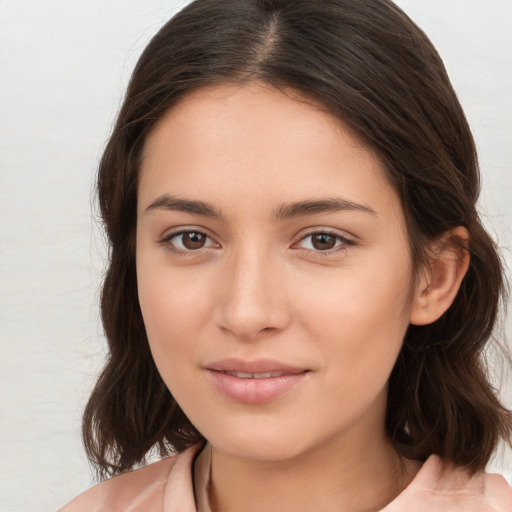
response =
{"points": [[254, 382], [243, 375]]}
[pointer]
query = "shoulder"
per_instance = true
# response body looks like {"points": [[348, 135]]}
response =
{"points": [[116, 494], [440, 485], [142, 489]]}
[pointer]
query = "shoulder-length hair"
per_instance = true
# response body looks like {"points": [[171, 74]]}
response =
{"points": [[370, 65]]}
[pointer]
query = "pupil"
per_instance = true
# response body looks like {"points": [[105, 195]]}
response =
{"points": [[193, 240], [323, 241]]}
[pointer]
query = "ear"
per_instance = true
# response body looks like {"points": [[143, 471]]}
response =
{"points": [[439, 282]]}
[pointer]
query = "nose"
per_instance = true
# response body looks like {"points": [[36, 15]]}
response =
{"points": [[253, 300]]}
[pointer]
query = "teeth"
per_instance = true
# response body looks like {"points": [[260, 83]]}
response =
{"points": [[242, 375]]}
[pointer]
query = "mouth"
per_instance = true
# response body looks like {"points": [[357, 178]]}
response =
{"points": [[255, 382], [244, 375], [257, 368]]}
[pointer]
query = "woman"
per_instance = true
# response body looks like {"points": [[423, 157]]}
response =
{"points": [[300, 288]]}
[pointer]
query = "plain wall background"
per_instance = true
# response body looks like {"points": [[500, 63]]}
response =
{"points": [[63, 68]]}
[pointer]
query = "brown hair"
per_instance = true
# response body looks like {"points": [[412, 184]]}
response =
{"points": [[367, 63]]}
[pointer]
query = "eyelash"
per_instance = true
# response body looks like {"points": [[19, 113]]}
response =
{"points": [[343, 242], [166, 242]]}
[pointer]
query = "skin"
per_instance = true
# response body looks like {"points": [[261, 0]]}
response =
{"points": [[259, 287]]}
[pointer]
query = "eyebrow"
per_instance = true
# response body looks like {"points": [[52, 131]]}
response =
{"points": [[167, 202], [283, 212], [328, 205]]}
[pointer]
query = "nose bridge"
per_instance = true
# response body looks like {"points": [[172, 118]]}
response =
{"points": [[253, 297]]}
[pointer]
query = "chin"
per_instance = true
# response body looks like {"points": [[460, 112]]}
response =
{"points": [[258, 442], [261, 450]]}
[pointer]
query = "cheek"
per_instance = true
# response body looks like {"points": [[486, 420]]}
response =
{"points": [[170, 319], [169, 305], [358, 302], [362, 317], [176, 305], [172, 302]]}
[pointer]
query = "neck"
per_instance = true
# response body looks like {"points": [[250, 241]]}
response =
{"points": [[351, 476]]}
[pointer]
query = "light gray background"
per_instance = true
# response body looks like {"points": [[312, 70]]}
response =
{"points": [[63, 67]]}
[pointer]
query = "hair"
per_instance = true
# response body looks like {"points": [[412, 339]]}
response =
{"points": [[369, 65]]}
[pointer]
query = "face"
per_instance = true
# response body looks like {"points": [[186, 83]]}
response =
{"points": [[274, 274]]}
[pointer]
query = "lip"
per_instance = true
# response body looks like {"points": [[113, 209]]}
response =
{"points": [[272, 380]]}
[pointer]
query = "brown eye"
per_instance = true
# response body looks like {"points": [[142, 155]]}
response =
{"points": [[193, 240], [188, 241], [323, 241]]}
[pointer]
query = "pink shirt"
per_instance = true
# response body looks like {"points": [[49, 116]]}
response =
{"points": [[168, 486]]}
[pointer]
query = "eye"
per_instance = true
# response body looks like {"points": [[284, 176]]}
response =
{"points": [[323, 241], [187, 241]]}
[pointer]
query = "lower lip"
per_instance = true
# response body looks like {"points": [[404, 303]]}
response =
{"points": [[255, 391]]}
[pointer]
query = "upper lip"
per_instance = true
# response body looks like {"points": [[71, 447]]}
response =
{"points": [[254, 366]]}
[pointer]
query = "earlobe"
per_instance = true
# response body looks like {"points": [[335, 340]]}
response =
{"points": [[439, 283]]}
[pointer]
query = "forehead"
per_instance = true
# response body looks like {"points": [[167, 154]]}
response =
{"points": [[254, 141], [254, 114]]}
